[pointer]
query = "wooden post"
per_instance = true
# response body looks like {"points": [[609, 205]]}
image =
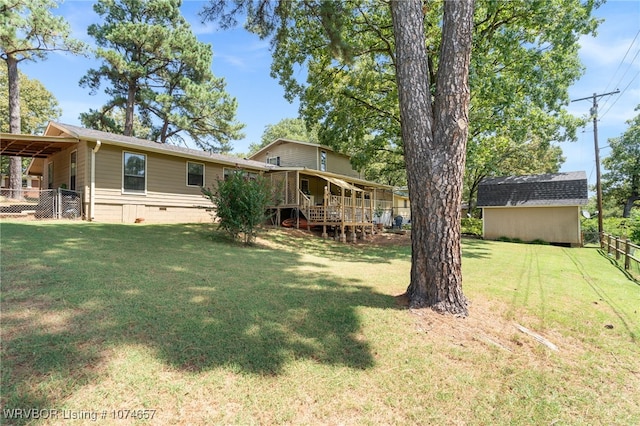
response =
{"points": [[353, 209], [608, 244], [617, 248], [627, 254]]}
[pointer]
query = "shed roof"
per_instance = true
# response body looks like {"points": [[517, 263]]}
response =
{"points": [[551, 189]]}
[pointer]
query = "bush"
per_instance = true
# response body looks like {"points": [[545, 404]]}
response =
{"points": [[241, 203], [472, 226], [634, 226], [617, 226]]}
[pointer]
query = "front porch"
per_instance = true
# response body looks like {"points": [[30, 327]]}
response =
{"points": [[349, 206]]}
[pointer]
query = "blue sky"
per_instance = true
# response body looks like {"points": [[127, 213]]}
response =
{"points": [[244, 61]]}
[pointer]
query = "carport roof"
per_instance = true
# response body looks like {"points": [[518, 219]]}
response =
{"points": [[33, 146]]}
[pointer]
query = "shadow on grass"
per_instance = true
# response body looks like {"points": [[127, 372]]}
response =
{"points": [[474, 248], [73, 292], [619, 266]]}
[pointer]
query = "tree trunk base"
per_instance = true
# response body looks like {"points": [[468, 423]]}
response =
{"points": [[456, 308]]}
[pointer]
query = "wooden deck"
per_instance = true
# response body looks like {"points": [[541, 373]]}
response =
{"points": [[347, 208]]}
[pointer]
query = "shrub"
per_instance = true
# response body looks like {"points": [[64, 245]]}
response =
{"points": [[471, 225], [617, 226], [634, 226], [241, 202]]}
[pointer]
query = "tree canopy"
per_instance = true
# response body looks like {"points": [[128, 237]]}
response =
{"points": [[38, 106], [525, 57], [28, 31], [288, 128], [621, 181], [155, 67]]}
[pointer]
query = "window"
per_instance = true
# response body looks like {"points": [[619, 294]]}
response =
{"points": [[323, 161], [304, 186], [273, 160], [195, 174], [73, 170], [50, 175], [134, 176], [249, 175]]}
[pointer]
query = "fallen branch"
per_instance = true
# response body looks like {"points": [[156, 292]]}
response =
{"points": [[538, 337], [486, 339]]}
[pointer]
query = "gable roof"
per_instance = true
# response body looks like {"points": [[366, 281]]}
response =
{"points": [[282, 141], [57, 129], [552, 189]]}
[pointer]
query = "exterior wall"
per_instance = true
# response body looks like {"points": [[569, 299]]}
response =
{"points": [[168, 198], [299, 155], [62, 168], [551, 224], [340, 164]]}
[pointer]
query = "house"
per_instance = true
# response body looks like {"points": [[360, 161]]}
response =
{"points": [[124, 179], [121, 178], [319, 185], [402, 204], [535, 207]]}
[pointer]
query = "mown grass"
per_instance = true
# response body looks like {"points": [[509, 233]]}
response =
{"points": [[174, 318]]}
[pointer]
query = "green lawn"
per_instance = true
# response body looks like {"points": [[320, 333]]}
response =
{"points": [[174, 319]]}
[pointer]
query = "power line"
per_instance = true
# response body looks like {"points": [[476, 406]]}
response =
{"points": [[622, 62], [621, 93], [625, 72], [594, 114]]}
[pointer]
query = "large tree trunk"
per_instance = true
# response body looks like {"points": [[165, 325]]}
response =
{"points": [[434, 139], [629, 204], [15, 163]]}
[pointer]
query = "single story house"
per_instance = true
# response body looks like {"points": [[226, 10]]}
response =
{"points": [[123, 178], [535, 207]]}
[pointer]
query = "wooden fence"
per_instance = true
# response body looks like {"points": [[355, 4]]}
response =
{"points": [[622, 248]]}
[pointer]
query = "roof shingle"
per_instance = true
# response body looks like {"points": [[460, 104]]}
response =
{"points": [[552, 189], [83, 133]]}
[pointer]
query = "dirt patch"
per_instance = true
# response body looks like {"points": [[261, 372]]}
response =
{"points": [[488, 326], [380, 238], [388, 239]]}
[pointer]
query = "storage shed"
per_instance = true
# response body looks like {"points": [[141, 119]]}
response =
{"points": [[534, 207]]}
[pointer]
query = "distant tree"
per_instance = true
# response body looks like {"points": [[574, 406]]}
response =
{"points": [[153, 63], [37, 107], [288, 128], [621, 181], [112, 120], [28, 31], [241, 202], [502, 156]]}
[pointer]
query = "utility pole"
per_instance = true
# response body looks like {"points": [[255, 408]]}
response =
{"points": [[594, 114]]}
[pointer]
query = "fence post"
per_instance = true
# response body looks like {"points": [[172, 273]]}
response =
{"points": [[608, 244], [59, 204], [627, 254], [617, 248]]}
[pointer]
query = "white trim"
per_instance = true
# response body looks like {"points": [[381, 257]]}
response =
{"points": [[92, 190], [204, 167], [146, 177]]}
